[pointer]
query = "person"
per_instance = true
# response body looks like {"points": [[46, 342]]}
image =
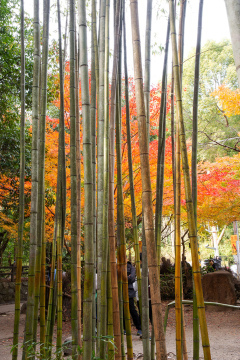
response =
{"points": [[211, 266], [131, 273]]}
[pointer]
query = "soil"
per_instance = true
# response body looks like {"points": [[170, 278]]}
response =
{"points": [[224, 333]]}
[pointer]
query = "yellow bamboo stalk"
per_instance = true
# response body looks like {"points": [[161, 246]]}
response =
{"points": [[188, 193]]}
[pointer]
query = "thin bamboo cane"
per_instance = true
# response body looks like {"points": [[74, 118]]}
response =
{"points": [[89, 276], [34, 190], [105, 244], [130, 167], [93, 129], [74, 311], [43, 291], [120, 294], [121, 222], [178, 274], [21, 196], [194, 165], [147, 109], [49, 323], [146, 192], [111, 349], [116, 315], [41, 163], [190, 211], [100, 156], [161, 152], [145, 300], [78, 158], [59, 289], [147, 76]]}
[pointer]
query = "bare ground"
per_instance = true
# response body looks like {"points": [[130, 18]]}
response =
{"points": [[224, 333]]}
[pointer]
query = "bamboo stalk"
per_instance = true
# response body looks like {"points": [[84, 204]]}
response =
{"points": [[146, 192], [93, 130], [116, 314], [190, 211], [43, 291], [74, 311], [41, 163], [120, 220], [78, 158], [130, 167], [105, 244], [21, 196], [194, 166], [161, 152], [145, 300], [100, 157], [111, 349], [34, 190], [49, 323], [89, 276]]}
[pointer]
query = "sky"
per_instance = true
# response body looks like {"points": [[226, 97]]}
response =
{"points": [[215, 27]]}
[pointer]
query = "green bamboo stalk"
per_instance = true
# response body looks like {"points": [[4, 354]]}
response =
{"points": [[78, 158], [105, 243], [95, 44], [145, 299], [188, 194], [41, 163], [43, 290], [100, 156], [147, 110], [120, 295], [194, 167], [50, 322], [61, 196], [120, 219], [130, 167], [93, 129], [111, 349], [146, 185], [74, 312], [161, 152], [116, 314], [89, 277], [21, 196], [34, 190], [59, 289], [178, 294]]}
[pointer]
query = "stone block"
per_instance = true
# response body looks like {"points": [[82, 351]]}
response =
{"points": [[219, 287]]}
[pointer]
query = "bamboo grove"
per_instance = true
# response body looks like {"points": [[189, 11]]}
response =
{"points": [[99, 88]]}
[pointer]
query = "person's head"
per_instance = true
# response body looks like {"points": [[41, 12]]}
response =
{"points": [[211, 262]]}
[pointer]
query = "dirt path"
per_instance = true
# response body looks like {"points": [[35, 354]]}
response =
{"points": [[224, 333]]}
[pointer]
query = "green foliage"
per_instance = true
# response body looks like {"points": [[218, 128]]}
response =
{"points": [[216, 67], [10, 60]]}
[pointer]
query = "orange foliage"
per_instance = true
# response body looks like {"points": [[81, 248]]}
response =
{"points": [[218, 183], [229, 100]]}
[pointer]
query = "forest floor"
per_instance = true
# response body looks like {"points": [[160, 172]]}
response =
{"points": [[224, 333]]}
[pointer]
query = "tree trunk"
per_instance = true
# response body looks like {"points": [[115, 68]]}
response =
{"points": [[233, 10]]}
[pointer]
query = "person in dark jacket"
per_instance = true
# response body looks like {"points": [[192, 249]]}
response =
{"points": [[131, 272]]}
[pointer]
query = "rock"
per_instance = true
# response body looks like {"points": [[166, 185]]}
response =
{"points": [[219, 287], [23, 308], [67, 346]]}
